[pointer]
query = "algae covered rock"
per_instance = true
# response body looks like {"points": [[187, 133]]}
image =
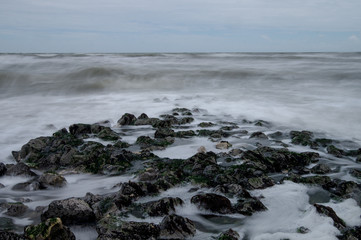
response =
{"points": [[230, 234], [50, 229]]}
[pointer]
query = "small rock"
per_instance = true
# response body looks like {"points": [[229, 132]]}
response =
{"points": [[16, 209], [355, 173], [228, 235], [127, 119], [206, 124], [213, 202], [2, 185], [176, 227], [223, 145], [321, 169], [52, 179], [303, 230], [80, 129], [236, 151], [260, 135], [249, 206], [201, 149], [163, 206]]}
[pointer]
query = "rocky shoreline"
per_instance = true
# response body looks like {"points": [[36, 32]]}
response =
{"points": [[229, 175]]}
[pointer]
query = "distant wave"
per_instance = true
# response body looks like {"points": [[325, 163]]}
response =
{"points": [[86, 73]]}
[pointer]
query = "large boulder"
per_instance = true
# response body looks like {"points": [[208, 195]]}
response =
{"points": [[162, 207], [52, 180], [127, 119], [176, 227], [249, 206], [71, 211], [213, 202], [2, 169], [15, 209], [19, 169], [52, 228]]}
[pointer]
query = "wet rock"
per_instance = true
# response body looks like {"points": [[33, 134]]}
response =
{"points": [[162, 207], [201, 149], [316, 180], [335, 151], [32, 185], [71, 211], [176, 227], [146, 142], [303, 230], [259, 182], [212, 202], [323, 142], [228, 235], [127, 119], [301, 137], [185, 134], [4, 235], [344, 189], [249, 206], [355, 173], [232, 190], [212, 133], [223, 145], [135, 190], [52, 180], [2, 185], [321, 169], [329, 212], [276, 135], [278, 160], [16, 209], [164, 132], [351, 234], [91, 198], [185, 120], [358, 159], [112, 228], [108, 134], [148, 175], [206, 124], [2, 169], [235, 152], [80, 129], [52, 228], [259, 135], [20, 169]]}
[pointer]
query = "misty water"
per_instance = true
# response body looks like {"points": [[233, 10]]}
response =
{"points": [[320, 92]]}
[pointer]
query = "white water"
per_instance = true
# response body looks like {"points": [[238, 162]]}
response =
{"points": [[40, 94]]}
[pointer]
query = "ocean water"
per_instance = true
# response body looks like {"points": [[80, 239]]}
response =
{"points": [[41, 93]]}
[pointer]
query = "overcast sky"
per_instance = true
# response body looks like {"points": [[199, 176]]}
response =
{"points": [[179, 25]]}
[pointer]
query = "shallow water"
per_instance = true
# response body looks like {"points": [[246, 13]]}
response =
{"points": [[40, 94]]}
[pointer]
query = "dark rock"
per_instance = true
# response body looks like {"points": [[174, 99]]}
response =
{"points": [[329, 212], [19, 169], [176, 227], [185, 120], [135, 190], [276, 135], [277, 160], [127, 119], [259, 182], [232, 190], [146, 142], [143, 116], [52, 179], [358, 159], [112, 228], [344, 189], [351, 234], [2, 185], [228, 235], [301, 138], [323, 142], [206, 124], [162, 207], [32, 185], [181, 110], [185, 134], [164, 123], [80, 129], [335, 151], [316, 180], [236, 151], [108, 134], [213, 202], [249, 206], [71, 211], [262, 123], [355, 173], [212, 133], [4, 235], [303, 230], [164, 132], [321, 169], [2, 169], [16, 209], [260, 135], [52, 228]]}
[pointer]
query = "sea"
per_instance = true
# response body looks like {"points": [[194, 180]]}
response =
{"points": [[319, 92]]}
